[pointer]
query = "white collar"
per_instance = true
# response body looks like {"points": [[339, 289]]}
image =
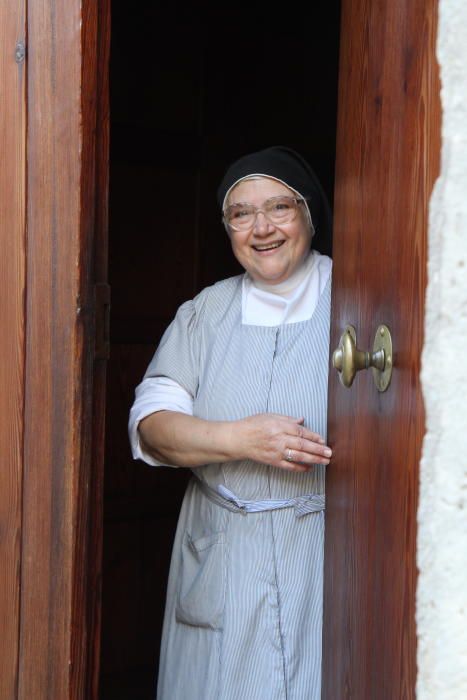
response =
{"points": [[290, 301]]}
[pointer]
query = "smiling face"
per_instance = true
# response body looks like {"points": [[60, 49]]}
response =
{"points": [[270, 253]]}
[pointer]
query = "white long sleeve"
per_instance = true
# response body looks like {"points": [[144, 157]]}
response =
{"points": [[152, 395]]}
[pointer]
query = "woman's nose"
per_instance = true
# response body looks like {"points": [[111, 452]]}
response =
{"points": [[262, 225]]}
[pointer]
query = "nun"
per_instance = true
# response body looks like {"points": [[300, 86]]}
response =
{"points": [[237, 392]]}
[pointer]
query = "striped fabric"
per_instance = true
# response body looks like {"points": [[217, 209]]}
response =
{"points": [[244, 603], [309, 503]]}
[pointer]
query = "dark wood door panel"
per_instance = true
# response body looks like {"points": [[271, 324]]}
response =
{"points": [[12, 290], [387, 160], [65, 256]]}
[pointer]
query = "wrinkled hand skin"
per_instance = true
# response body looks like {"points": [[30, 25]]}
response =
{"points": [[267, 437]]}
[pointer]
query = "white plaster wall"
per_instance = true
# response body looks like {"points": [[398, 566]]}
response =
{"points": [[442, 515]]}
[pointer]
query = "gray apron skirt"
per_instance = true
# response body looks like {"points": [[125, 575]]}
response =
{"points": [[244, 602]]}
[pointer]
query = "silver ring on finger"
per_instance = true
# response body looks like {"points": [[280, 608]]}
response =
{"points": [[288, 455]]}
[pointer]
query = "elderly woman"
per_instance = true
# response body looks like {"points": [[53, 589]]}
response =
{"points": [[237, 392]]}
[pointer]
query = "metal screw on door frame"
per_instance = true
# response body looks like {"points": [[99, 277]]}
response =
{"points": [[20, 52]]}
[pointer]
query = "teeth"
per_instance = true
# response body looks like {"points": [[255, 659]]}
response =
{"points": [[268, 246]]}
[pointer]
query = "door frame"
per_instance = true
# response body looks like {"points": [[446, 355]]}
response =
{"points": [[67, 175], [12, 289]]}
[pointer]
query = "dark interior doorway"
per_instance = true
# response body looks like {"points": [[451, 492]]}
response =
{"points": [[190, 92]]}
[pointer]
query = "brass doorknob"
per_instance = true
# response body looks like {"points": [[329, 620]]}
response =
{"points": [[348, 360]]}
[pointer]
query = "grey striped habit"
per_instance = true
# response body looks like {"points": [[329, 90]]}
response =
{"points": [[244, 603]]}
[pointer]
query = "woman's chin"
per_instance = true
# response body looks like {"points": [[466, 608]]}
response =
{"points": [[275, 269], [271, 276]]}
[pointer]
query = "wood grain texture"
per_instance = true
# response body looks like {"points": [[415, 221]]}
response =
{"points": [[55, 608], [12, 291], [388, 149]]}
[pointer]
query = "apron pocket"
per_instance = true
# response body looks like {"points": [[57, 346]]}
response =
{"points": [[201, 591]]}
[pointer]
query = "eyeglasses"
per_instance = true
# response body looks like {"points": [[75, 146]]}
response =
{"points": [[278, 210]]}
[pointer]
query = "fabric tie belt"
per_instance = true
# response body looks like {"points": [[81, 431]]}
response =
{"points": [[222, 496]]}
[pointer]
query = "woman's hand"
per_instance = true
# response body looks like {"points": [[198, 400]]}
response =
{"points": [[281, 441], [176, 438]]}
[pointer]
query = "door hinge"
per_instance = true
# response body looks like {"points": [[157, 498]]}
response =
{"points": [[102, 321]]}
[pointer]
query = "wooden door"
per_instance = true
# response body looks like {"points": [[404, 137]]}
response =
{"points": [[12, 288], [53, 70], [67, 149], [388, 148]]}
